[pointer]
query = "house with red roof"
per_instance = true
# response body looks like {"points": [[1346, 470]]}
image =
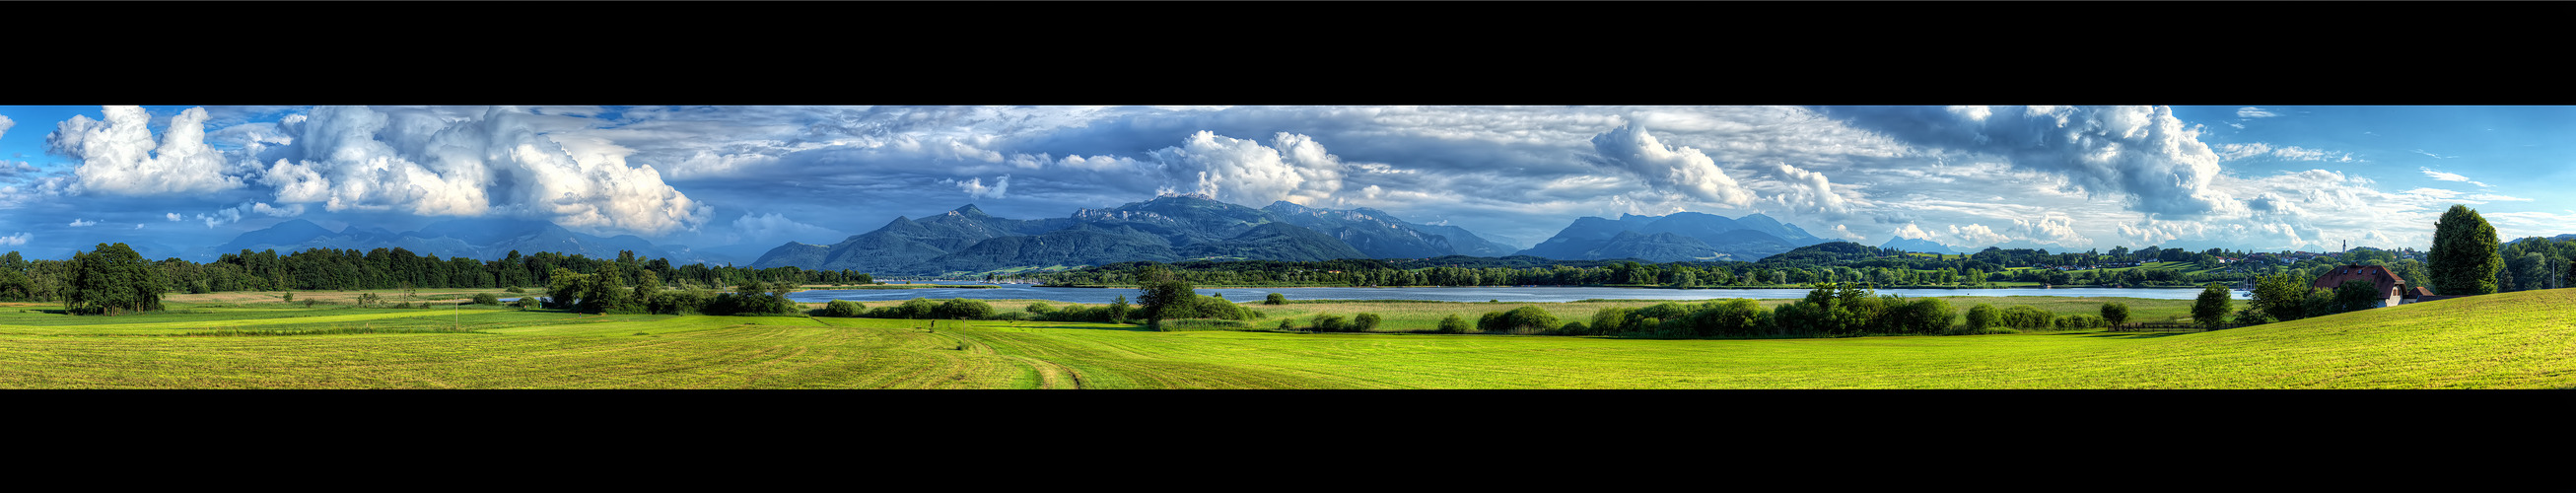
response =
{"points": [[2396, 290]]}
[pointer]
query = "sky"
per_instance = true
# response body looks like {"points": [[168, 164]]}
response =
{"points": [[2253, 177]]}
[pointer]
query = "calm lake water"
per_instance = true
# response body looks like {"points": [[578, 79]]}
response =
{"points": [[1511, 294]]}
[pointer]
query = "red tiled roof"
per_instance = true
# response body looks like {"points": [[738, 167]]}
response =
{"points": [[2378, 276]]}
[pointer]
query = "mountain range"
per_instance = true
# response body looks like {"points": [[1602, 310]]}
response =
{"points": [[1165, 229], [1678, 237]]}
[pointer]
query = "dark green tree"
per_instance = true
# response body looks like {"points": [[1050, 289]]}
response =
{"points": [[2357, 295], [1159, 291], [1118, 310], [2210, 310], [2115, 313], [1275, 299], [2282, 297], [113, 280], [2464, 260]]}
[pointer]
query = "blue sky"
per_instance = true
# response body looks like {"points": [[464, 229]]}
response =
{"points": [[2263, 177]]}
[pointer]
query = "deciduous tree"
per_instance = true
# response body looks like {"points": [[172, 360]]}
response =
{"points": [[2464, 260]]}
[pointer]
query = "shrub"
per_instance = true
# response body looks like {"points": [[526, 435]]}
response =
{"points": [[1729, 317], [2081, 322], [1921, 316], [514, 289], [1275, 299], [1364, 322], [1453, 325], [916, 308], [2028, 317], [1610, 320], [962, 308], [1523, 320], [290, 297], [1982, 317], [1574, 329], [1039, 308], [1330, 323], [486, 299], [1287, 324], [844, 308]]}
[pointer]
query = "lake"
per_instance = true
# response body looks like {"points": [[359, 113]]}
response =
{"points": [[1510, 294]]}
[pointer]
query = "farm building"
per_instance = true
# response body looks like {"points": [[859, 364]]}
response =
{"points": [[2398, 291]]}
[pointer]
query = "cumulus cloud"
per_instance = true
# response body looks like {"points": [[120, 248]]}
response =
{"points": [[1913, 232], [2253, 112], [5, 123], [2438, 175], [2141, 152], [450, 164], [15, 240], [1668, 168], [975, 188], [1977, 234], [222, 216], [76, 222], [2052, 227], [174, 217], [1808, 191], [1293, 168], [118, 155]]}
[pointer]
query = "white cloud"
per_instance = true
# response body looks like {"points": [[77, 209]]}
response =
{"points": [[2142, 152], [1911, 231], [2252, 112], [174, 217], [222, 216], [1976, 234], [1246, 172], [77, 223], [975, 188], [2435, 156], [773, 228], [2437, 175], [1846, 233], [451, 163], [1663, 167], [118, 156], [2232, 152], [2052, 227], [138, 225], [291, 210], [15, 240], [1808, 191], [5, 123]]}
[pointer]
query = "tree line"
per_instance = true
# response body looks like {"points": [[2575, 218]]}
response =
{"points": [[112, 278]]}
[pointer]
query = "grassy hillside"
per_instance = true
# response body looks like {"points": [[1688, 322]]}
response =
{"points": [[2511, 340]]}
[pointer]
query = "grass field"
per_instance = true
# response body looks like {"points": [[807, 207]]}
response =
{"points": [[2511, 340]]}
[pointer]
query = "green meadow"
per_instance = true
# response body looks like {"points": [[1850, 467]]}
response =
{"points": [[2510, 340]]}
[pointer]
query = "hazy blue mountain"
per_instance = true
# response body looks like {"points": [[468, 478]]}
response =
{"points": [[1276, 241], [1658, 247], [1379, 234], [967, 240], [1750, 237], [1917, 245]]}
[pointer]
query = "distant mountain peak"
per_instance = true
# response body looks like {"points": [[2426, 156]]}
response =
{"points": [[968, 210]]}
